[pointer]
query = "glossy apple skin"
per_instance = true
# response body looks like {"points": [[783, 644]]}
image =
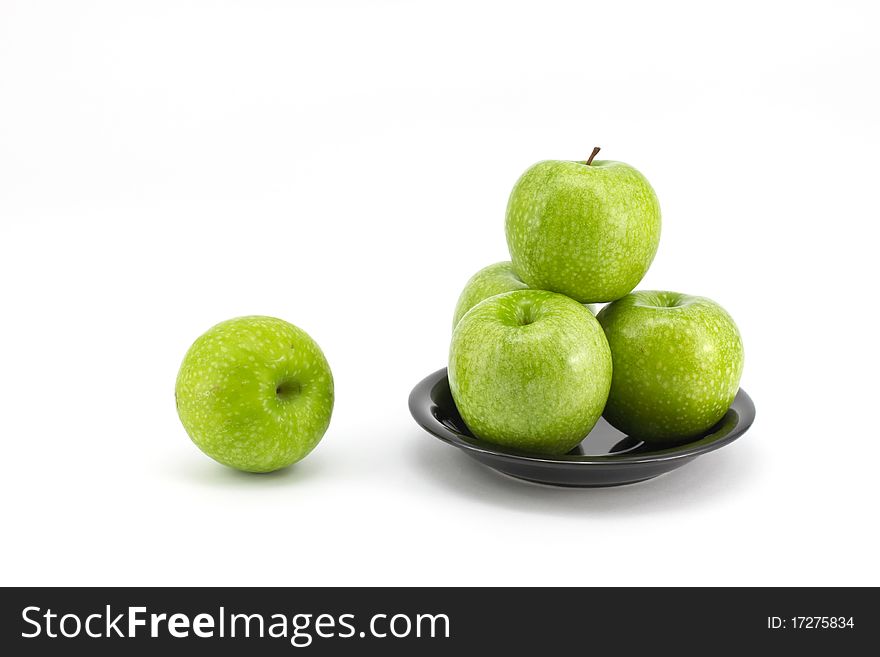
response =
{"points": [[587, 231], [677, 364], [489, 281], [255, 393], [530, 370]]}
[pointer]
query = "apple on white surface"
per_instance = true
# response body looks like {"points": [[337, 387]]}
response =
{"points": [[530, 370], [255, 393]]}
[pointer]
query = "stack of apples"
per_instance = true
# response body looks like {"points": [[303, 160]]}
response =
{"points": [[531, 367]]}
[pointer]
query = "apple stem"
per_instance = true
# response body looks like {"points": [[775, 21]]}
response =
{"points": [[593, 154]]}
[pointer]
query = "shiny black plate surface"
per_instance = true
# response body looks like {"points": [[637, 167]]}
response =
{"points": [[606, 457]]}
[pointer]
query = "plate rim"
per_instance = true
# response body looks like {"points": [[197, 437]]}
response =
{"points": [[421, 391]]}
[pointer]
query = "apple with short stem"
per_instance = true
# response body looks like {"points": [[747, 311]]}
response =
{"points": [[677, 364], [586, 229], [530, 370], [489, 281]]}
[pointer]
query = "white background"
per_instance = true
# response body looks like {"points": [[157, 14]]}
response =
{"points": [[345, 166]]}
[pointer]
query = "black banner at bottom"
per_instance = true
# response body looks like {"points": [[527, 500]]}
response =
{"points": [[436, 621]]}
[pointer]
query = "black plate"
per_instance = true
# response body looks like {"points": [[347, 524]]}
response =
{"points": [[606, 457]]}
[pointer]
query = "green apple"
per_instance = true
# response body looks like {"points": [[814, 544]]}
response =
{"points": [[255, 393], [586, 229], [677, 364], [530, 370], [489, 281]]}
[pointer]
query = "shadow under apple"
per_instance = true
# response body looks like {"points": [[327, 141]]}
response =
{"points": [[205, 472]]}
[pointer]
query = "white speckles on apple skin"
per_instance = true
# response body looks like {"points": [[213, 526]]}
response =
{"points": [[589, 232], [228, 397], [677, 364], [538, 387], [489, 281]]}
